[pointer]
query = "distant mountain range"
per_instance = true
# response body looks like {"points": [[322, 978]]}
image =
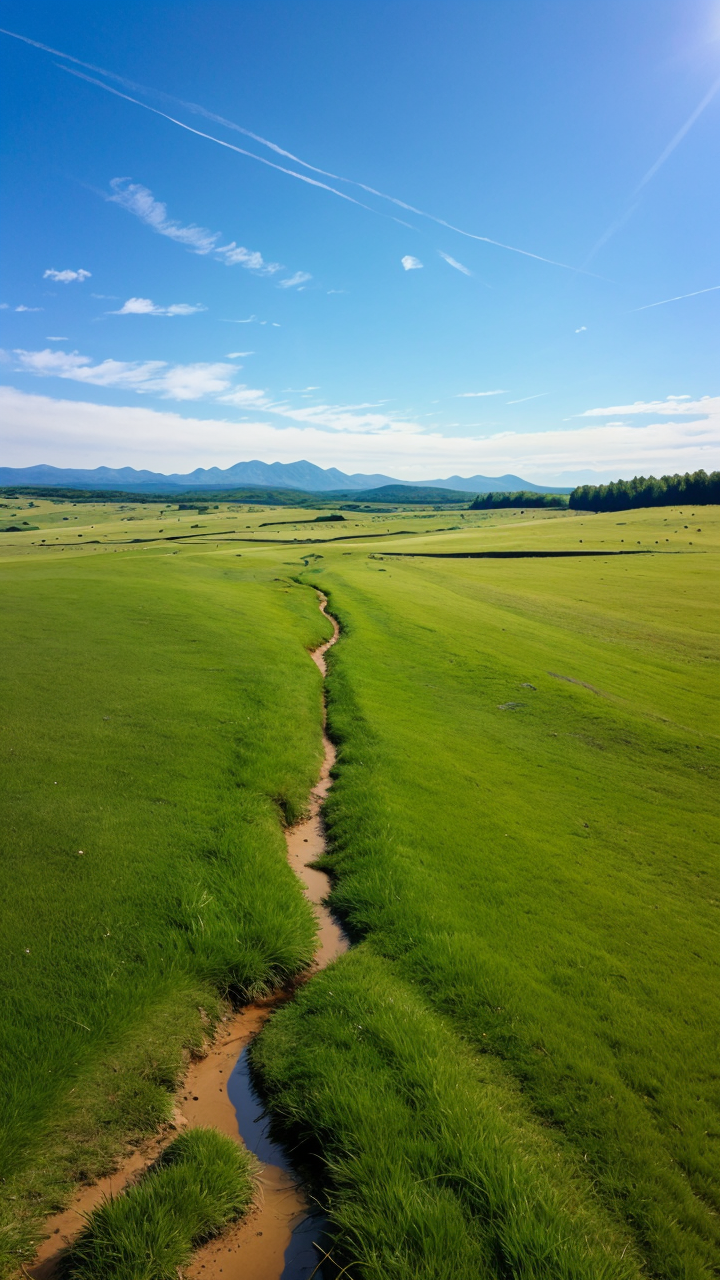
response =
{"points": [[285, 475]]}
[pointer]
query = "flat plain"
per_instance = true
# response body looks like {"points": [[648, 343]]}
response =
{"points": [[514, 1070]]}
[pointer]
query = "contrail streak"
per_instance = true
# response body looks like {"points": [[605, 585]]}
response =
{"points": [[678, 136], [210, 138], [679, 298], [619, 222], [382, 195], [229, 124]]}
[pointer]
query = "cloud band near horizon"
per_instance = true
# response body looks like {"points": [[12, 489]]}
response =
{"points": [[40, 429]]}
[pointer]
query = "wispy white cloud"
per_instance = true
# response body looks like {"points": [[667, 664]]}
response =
{"points": [[410, 263], [65, 277], [454, 263], [24, 308], [146, 307], [4, 306], [473, 395], [51, 338], [141, 202], [237, 355], [300, 278], [679, 298], [673, 406], [234, 255], [362, 419], [245, 396], [157, 377], [77, 433], [538, 396], [343, 418], [582, 329]]}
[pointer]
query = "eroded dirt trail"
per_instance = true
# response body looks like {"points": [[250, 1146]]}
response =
{"points": [[275, 1241]]}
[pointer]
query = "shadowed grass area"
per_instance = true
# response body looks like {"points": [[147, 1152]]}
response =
{"points": [[161, 721], [201, 1183], [524, 834]]}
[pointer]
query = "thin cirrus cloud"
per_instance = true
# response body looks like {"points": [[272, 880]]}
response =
{"points": [[140, 201], [55, 338], [66, 277], [156, 377], [354, 418], [683, 406], [453, 262], [523, 399], [410, 263], [146, 307], [298, 280], [474, 395], [22, 307], [238, 355]]}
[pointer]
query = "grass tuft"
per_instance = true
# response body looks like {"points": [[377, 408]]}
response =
{"points": [[202, 1182]]}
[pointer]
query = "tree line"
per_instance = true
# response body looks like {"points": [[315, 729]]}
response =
{"points": [[622, 495], [523, 498]]}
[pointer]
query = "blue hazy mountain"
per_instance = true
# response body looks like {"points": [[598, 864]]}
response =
{"points": [[285, 475]]}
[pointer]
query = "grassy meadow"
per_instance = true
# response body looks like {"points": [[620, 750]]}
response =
{"points": [[514, 1070], [524, 834], [160, 723]]}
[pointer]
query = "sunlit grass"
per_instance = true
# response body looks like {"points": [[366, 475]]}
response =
{"points": [[161, 721], [524, 832]]}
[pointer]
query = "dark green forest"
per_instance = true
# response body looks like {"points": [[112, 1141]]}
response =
{"points": [[522, 498], [622, 495]]}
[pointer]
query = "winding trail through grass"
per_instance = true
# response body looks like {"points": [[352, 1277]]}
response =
{"points": [[276, 1240]]}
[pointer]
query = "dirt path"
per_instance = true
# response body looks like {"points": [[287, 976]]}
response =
{"points": [[275, 1242]]}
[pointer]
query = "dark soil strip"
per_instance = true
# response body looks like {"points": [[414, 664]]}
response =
{"points": [[510, 555], [344, 537], [260, 542]]}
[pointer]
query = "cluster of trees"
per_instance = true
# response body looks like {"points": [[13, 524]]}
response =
{"points": [[520, 499], [622, 495]]}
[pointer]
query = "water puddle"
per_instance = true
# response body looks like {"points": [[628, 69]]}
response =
{"points": [[282, 1238]]}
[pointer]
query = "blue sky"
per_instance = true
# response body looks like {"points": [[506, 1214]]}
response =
{"points": [[517, 185]]}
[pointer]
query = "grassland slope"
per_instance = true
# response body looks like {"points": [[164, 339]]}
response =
{"points": [[520, 1053], [161, 721]]}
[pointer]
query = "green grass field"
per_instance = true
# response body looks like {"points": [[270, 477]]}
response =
{"points": [[524, 831], [161, 720], [514, 1071]]}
